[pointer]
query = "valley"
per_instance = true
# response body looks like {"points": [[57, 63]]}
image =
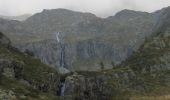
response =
{"points": [[61, 54]]}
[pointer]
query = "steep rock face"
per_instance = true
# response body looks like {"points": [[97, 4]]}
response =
{"points": [[86, 37], [77, 56]]}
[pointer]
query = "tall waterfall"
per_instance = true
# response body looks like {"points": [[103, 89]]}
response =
{"points": [[62, 55], [57, 36], [62, 47], [61, 88]]}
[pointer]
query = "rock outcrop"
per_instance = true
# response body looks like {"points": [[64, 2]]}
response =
{"points": [[80, 87], [21, 75]]}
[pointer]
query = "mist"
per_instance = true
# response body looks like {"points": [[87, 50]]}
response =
{"points": [[101, 8]]}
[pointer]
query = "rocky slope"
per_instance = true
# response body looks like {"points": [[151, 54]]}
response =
{"points": [[150, 64], [154, 53], [24, 77]]}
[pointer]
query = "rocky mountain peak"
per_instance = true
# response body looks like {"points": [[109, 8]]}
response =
{"points": [[61, 14], [130, 14]]}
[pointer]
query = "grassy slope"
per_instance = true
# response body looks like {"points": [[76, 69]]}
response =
{"points": [[21, 89], [143, 62], [33, 72]]}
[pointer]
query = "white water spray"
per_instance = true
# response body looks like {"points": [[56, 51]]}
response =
{"points": [[57, 36], [62, 88], [62, 49]]}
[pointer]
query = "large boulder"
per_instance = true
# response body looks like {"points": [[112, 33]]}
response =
{"points": [[82, 87]]}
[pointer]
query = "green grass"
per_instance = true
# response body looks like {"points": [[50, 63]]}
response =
{"points": [[155, 82], [22, 89], [31, 70]]}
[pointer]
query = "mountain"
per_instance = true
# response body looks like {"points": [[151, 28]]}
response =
{"points": [[85, 40], [18, 18]]}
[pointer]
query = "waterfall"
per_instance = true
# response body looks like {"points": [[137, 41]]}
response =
{"points": [[57, 36], [62, 56], [61, 88]]}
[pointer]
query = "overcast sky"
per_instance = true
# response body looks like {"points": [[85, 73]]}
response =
{"points": [[102, 8]]}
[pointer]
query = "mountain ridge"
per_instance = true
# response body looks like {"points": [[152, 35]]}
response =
{"points": [[82, 36]]}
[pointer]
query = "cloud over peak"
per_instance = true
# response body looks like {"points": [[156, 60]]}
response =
{"points": [[102, 8]]}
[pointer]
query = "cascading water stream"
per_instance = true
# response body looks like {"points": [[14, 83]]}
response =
{"points": [[62, 63], [57, 36], [61, 88], [62, 54]]}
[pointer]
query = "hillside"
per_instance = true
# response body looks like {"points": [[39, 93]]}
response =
{"points": [[23, 76], [150, 63]]}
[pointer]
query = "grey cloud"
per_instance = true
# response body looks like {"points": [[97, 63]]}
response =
{"points": [[101, 8]]}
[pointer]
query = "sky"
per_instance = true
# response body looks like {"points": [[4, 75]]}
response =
{"points": [[102, 8]]}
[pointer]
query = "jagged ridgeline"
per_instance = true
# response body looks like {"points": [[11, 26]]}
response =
{"points": [[86, 40], [23, 77]]}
